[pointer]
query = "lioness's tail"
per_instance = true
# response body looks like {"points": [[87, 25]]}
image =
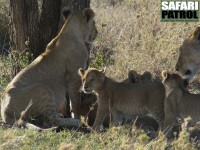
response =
{"points": [[22, 123]]}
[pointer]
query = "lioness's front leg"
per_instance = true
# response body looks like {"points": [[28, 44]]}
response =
{"points": [[74, 94]]}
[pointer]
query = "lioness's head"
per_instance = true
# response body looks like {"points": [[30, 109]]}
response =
{"points": [[173, 81], [92, 79], [188, 62], [83, 20]]}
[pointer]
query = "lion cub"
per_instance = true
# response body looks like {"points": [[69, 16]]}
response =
{"points": [[123, 99], [179, 102], [87, 100]]}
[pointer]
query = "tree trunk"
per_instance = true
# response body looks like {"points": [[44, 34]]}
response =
{"points": [[23, 27], [24, 24], [49, 21]]}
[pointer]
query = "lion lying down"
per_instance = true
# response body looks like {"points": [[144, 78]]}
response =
{"points": [[123, 99], [43, 83]]}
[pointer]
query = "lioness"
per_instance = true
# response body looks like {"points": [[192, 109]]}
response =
{"points": [[123, 99], [179, 102], [44, 81], [188, 62]]}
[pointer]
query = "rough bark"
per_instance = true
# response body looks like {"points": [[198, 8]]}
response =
{"points": [[49, 21], [24, 24], [24, 19]]}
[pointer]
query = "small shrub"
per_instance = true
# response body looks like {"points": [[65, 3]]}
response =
{"points": [[5, 75], [20, 59], [4, 21]]}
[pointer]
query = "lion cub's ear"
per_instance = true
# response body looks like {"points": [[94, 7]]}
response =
{"points": [[66, 12], [196, 33], [81, 72], [133, 76], [146, 76], [89, 13], [165, 74]]}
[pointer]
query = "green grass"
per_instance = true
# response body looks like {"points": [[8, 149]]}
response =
{"points": [[114, 138], [32, 139]]}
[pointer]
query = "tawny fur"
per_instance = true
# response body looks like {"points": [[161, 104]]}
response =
{"points": [[44, 81], [123, 99], [188, 63], [134, 77], [88, 100], [88, 109], [179, 102]]}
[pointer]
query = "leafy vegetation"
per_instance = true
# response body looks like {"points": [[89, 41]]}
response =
{"points": [[115, 138], [4, 21]]}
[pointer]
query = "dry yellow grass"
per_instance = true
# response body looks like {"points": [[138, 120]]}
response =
{"points": [[136, 36]]}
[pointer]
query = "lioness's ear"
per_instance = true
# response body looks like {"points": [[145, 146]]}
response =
{"points": [[81, 72], [185, 82], [89, 13], [133, 76], [196, 33], [103, 70], [66, 12], [165, 74]]}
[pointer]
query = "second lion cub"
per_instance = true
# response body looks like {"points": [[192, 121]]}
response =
{"points": [[123, 99], [179, 102]]}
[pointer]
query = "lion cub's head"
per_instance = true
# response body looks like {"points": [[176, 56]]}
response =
{"points": [[173, 81], [92, 79], [134, 77], [85, 20]]}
